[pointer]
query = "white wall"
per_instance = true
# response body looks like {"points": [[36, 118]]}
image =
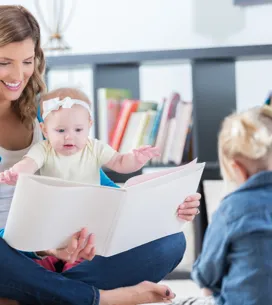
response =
{"points": [[253, 82], [126, 25], [159, 81], [123, 25]]}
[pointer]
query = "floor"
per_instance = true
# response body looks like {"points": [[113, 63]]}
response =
{"points": [[183, 288]]}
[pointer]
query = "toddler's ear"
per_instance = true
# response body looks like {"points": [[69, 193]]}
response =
{"points": [[90, 123], [43, 130], [239, 172]]}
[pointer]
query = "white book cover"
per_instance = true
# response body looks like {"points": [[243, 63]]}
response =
{"points": [[183, 118], [134, 131], [161, 136], [171, 128], [45, 212]]}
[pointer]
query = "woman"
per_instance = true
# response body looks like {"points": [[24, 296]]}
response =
{"points": [[91, 282]]}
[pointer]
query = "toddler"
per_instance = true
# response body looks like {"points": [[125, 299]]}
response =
{"points": [[235, 266], [68, 152]]}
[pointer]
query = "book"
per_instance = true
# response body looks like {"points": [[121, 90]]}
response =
{"points": [[157, 120], [170, 128], [134, 131], [169, 107], [146, 137], [109, 105], [127, 108], [121, 218], [146, 105], [183, 119]]}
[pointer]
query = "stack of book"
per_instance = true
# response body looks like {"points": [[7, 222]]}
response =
{"points": [[125, 124]]}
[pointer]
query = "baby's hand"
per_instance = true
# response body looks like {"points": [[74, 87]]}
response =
{"points": [[145, 153], [8, 177]]}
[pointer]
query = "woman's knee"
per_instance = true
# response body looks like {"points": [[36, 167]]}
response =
{"points": [[4, 248], [172, 248]]}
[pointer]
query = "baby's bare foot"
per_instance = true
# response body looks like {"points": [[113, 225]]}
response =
{"points": [[145, 292], [8, 302]]}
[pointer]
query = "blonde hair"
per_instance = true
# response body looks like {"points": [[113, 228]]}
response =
{"points": [[16, 25], [247, 138]]}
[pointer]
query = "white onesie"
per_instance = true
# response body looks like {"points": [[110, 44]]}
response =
{"points": [[83, 166]]}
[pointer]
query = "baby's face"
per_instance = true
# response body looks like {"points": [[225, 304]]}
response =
{"points": [[67, 129]]}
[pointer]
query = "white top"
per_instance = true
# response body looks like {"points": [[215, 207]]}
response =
{"points": [[8, 159], [83, 166]]}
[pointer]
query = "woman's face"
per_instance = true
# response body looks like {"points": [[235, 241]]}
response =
{"points": [[16, 68]]}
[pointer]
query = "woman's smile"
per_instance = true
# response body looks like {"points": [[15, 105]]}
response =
{"points": [[12, 86]]}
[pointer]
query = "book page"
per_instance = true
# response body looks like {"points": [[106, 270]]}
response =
{"points": [[46, 212], [150, 210], [149, 176]]}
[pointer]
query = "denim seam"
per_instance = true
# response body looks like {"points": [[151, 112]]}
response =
{"points": [[28, 293], [96, 296]]}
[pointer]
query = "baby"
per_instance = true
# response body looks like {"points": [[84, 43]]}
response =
{"points": [[68, 152]]}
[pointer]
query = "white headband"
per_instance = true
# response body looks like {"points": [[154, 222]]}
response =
{"points": [[67, 102]]}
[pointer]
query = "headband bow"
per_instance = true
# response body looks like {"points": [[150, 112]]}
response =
{"points": [[55, 104]]}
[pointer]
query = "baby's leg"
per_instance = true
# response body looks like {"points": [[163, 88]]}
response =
{"points": [[68, 266], [48, 263]]}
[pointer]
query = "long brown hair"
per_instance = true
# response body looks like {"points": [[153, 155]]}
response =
{"points": [[16, 25]]}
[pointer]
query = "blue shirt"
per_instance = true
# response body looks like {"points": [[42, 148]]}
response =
{"points": [[236, 262]]}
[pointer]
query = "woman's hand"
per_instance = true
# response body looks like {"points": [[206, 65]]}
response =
{"points": [[80, 246], [189, 208]]}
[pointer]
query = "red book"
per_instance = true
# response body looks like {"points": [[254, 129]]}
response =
{"points": [[128, 106]]}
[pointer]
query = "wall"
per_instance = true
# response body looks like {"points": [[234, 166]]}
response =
{"points": [[121, 25], [253, 82]]}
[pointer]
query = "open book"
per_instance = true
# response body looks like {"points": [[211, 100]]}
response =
{"points": [[45, 212]]}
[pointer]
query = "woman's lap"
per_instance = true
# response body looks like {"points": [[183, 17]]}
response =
{"points": [[151, 262], [23, 280]]}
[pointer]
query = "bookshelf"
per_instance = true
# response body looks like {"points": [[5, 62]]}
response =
{"points": [[214, 94]]}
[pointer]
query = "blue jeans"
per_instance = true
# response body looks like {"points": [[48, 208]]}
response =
{"points": [[23, 280]]}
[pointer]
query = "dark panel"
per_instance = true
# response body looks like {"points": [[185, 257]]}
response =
{"points": [[200, 222], [120, 178], [116, 76], [214, 97], [255, 52], [178, 275], [251, 2], [211, 172]]}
